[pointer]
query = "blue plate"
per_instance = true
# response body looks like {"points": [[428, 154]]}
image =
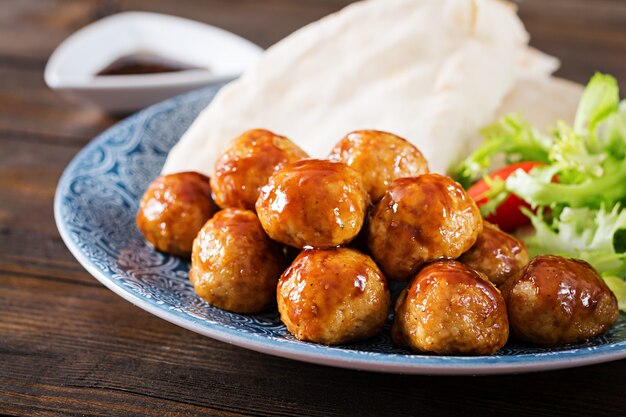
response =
{"points": [[95, 206]]}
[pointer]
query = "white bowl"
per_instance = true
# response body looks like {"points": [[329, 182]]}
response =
{"points": [[73, 65]]}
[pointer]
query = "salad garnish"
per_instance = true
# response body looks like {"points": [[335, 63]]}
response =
{"points": [[571, 187]]}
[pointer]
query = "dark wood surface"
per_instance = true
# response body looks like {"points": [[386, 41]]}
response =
{"points": [[70, 346]]}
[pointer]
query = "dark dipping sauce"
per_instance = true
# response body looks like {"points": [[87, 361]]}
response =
{"points": [[145, 63]]}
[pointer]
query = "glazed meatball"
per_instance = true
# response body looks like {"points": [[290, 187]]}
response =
{"points": [[380, 158], [556, 300], [246, 165], [333, 296], [496, 254], [419, 220], [451, 309], [313, 203], [173, 209], [234, 265]]}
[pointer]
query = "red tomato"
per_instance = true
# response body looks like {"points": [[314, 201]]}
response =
{"points": [[508, 215]]}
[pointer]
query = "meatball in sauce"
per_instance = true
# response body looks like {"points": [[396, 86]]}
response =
{"points": [[173, 209], [556, 300], [313, 203], [380, 158], [420, 220], [234, 265], [450, 309], [246, 165], [496, 254], [333, 296]]}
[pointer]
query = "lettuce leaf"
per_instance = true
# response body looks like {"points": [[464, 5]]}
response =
{"points": [[612, 133], [511, 136], [583, 233], [599, 100], [572, 157], [538, 189]]}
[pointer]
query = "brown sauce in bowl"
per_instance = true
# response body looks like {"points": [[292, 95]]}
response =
{"points": [[144, 63]]}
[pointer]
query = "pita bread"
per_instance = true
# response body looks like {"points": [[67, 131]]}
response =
{"points": [[432, 71]]}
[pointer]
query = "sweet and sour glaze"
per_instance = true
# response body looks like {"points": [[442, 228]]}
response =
{"points": [[333, 296], [313, 203], [451, 309], [234, 265], [419, 220], [173, 209], [246, 165], [380, 158]]}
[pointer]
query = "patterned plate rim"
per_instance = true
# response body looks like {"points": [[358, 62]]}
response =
{"points": [[331, 356]]}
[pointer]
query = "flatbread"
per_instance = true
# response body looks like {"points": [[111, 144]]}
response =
{"points": [[432, 71]]}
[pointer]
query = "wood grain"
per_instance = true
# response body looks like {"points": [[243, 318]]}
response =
{"points": [[69, 346]]}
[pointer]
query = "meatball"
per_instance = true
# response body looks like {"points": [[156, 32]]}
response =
{"points": [[313, 203], [246, 165], [333, 296], [496, 254], [556, 300], [234, 265], [419, 220], [451, 309], [173, 209], [380, 158]]}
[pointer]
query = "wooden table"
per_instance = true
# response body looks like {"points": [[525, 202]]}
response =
{"points": [[70, 346]]}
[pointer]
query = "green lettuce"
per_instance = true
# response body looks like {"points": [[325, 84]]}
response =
{"points": [[589, 234], [538, 189], [599, 100], [512, 137]]}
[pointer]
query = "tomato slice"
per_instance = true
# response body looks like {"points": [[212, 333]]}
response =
{"points": [[508, 216]]}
